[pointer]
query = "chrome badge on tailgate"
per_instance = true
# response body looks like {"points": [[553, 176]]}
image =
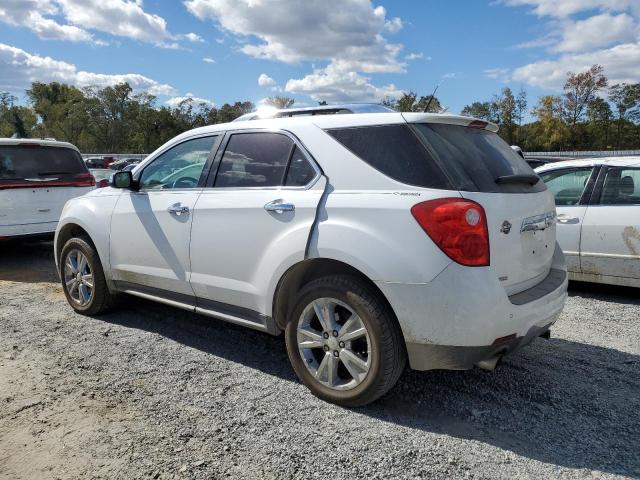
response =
{"points": [[538, 222]]}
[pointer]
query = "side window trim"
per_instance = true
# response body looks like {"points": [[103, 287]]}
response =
{"points": [[599, 183], [207, 165], [587, 194], [222, 146]]}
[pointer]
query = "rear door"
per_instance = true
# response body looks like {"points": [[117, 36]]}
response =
{"points": [[35, 183], [570, 188], [252, 221], [520, 209], [611, 229]]}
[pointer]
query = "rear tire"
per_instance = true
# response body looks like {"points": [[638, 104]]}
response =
{"points": [[83, 280], [343, 341]]}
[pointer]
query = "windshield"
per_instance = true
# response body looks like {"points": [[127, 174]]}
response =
{"points": [[32, 161]]}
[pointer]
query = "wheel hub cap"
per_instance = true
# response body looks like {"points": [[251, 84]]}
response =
{"points": [[334, 344], [78, 277]]}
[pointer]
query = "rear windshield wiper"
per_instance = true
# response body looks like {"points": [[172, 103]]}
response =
{"points": [[506, 179]]}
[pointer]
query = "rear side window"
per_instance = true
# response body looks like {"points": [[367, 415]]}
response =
{"points": [[621, 187], [20, 162], [300, 170], [395, 151], [254, 160], [474, 158]]}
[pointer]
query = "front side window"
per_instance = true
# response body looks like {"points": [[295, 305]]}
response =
{"points": [[567, 185], [178, 167], [254, 160], [621, 186]]}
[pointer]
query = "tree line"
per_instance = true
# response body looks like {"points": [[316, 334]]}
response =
{"points": [[589, 115]]}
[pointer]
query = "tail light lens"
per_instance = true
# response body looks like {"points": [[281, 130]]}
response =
{"points": [[458, 227], [83, 180]]}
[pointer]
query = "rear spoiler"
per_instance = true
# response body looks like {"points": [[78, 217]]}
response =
{"points": [[411, 117]]}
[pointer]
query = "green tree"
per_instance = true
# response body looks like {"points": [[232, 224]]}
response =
{"points": [[599, 117], [410, 102], [580, 89], [626, 100], [551, 131], [481, 110]]}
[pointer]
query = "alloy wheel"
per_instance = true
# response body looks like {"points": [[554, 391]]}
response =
{"points": [[78, 277], [334, 344]]}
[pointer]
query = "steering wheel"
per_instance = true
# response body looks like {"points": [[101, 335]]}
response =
{"points": [[185, 182]]}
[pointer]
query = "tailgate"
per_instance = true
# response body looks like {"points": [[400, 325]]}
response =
{"points": [[522, 236]]}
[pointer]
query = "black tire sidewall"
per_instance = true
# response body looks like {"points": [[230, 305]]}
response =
{"points": [[360, 394]]}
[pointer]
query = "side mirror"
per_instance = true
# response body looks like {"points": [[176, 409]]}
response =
{"points": [[122, 179]]}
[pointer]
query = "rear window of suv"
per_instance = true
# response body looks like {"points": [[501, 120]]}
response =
{"points": [[20, 162], [440, 156]]}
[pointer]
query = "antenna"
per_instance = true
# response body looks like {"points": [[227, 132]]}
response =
{"points": [[426, 109]]}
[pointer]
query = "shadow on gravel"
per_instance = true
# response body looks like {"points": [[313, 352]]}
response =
{"points": [[605, 293], [27, 261], [559, 402]]}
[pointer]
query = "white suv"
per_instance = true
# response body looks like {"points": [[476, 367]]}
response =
{"points": [[37, 177], [369, 239]]}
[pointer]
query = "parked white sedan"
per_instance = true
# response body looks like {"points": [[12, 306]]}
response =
{"points": [[598, 205]]}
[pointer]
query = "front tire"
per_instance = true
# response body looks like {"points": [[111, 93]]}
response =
{"points": [[343, 341], [83, 280]]}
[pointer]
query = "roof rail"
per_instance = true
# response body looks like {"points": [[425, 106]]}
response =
{"points": [[267, 112]]}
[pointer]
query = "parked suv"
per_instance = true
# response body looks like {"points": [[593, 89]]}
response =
{"points": [[370, 240], [37, 177]]}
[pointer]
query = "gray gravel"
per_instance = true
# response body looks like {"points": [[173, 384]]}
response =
{"points": [[153, 392]]}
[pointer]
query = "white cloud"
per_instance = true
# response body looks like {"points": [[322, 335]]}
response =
{"points": [[597, 31], [188, 99], [350, 35], [30, 13], [621, 64], [123, 18], [208, 60], [337, 83], [192, 37], [265, 80], [414, 56], [291, 31], [19, 68], [565, 8], [501, 74]]}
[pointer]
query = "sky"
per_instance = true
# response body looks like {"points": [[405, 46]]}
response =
{"points": [[221, 51]]}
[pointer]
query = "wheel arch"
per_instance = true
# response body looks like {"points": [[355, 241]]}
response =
{"points": [[300, 274]]}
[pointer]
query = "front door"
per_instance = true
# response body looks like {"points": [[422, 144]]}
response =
{"points": [[568, 186], [253, 222], [611, 229], [151, 227]]}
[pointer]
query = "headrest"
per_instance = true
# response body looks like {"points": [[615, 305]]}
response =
{"points": [[627, 186]]}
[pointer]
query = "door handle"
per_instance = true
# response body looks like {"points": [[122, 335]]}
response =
{"points": [[566, 219], [178, 209], [279, 206]]}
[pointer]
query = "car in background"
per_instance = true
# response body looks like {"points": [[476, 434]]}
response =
{"points": [[369, 240], [37, 177], [120, 164], [99, 162], [598, 207]]}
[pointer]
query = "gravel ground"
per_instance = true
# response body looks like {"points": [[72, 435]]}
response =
{"points": [[153, 392]]}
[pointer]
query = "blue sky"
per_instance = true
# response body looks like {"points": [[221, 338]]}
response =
{"points": [[335, 50]]}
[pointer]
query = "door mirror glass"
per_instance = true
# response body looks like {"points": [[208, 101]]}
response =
{"points": [[121, 179]]}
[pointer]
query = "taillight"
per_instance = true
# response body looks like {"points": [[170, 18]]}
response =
{"points": [[458, 227], [102, 183], [83, 180]]}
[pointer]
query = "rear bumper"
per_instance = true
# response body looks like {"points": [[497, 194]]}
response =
{"points": [[458, 319]]}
